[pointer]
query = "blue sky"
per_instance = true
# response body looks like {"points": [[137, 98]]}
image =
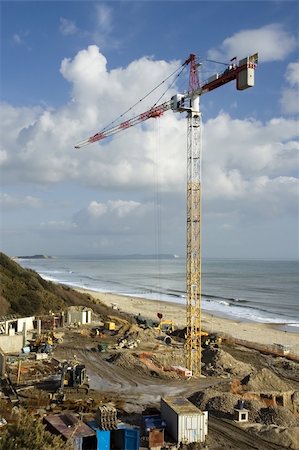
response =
{"points": [[68, 68]]}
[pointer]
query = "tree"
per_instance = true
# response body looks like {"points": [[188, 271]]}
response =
{"points": [[29, 433]]}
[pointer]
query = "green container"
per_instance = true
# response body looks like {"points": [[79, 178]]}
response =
{"points": [[103, 347]]}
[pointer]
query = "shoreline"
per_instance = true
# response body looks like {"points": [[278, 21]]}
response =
{"points": [[255, 332], [287, 326]]}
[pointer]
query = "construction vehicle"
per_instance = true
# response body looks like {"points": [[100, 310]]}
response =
{"points": [[210, 340], [45, 342], [73, 379], [189, 103], [165, 326], [144, 322]]}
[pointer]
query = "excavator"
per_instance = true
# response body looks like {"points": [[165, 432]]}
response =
{"points": [[73, 379], [165, 326], [210, 340], [45, 342]]}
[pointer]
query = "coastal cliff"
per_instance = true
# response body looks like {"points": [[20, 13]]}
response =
{"points": [[24, 292]]}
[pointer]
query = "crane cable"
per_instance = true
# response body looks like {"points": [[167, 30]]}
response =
{"points": [[181, 68]]}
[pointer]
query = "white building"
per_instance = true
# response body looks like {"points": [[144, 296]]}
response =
{"points": [[78, 315], [10, 325], [13, 332]]}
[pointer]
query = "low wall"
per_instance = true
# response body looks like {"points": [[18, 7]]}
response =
{"points": [[11, 344]]}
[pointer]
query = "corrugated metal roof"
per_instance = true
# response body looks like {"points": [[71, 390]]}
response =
{"points": [[69, 425], [181, 405]]}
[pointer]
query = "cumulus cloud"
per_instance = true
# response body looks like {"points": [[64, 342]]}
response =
{"points": [[242, 159], [96, 209], [114, 216], [120, 208], [273, 43], [14, 202], [67, 27], [123, 208], [290, 95], [292, 74], [40, 144]]}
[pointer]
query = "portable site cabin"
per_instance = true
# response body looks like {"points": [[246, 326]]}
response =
{"points": [[185, 422]]}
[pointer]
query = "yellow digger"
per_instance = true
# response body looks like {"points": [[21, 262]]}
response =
{"points": [[165, 326], [210, 340]]}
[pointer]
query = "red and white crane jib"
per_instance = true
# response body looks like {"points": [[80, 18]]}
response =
{"points": [[154, 112], [243, 73]]}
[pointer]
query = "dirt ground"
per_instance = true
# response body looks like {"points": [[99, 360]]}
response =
{"points": [[134, 379]]}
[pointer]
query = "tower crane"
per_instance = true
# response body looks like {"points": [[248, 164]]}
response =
{"points": [[243, 73]]}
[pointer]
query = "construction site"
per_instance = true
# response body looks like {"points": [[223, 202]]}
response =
{"points": [[123, 381], [119, 374]]}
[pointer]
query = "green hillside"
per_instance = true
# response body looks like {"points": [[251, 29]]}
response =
{"points": [[24, 292]]}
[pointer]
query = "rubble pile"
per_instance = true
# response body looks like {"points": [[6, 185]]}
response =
{"points": [[223, 404], [264, 380], [125, 360], [254, 406], [217, 362], [279, 416], [170, 358], [220, 403]]}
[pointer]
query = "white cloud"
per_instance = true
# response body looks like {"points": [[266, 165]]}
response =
{"points": [[290, 95], [123, 208], [272, 42], [3, 156], [40, 143], [292, 74], [102, 33], [67, 27], [104, 17], [96, 209], [115, 218], [237, 154], [21, 38], [101, 30], [13, 202], [290, 101]]}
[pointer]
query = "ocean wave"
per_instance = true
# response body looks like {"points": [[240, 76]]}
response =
{"points": [[141, 285]]}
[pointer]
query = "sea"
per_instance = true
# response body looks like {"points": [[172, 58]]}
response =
{"points": [[263, 291]]}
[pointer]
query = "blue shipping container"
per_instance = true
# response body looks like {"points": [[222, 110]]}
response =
{"points": [[125, 439], [103, 436], [103, 439]]}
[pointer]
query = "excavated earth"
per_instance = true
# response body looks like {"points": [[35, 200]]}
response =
{"points": [[134, 379]]}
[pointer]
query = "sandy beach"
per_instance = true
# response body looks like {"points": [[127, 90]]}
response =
{"points": [[265, 334]]}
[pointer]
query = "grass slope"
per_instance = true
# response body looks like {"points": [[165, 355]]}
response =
{"points": [[24, 292]]}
